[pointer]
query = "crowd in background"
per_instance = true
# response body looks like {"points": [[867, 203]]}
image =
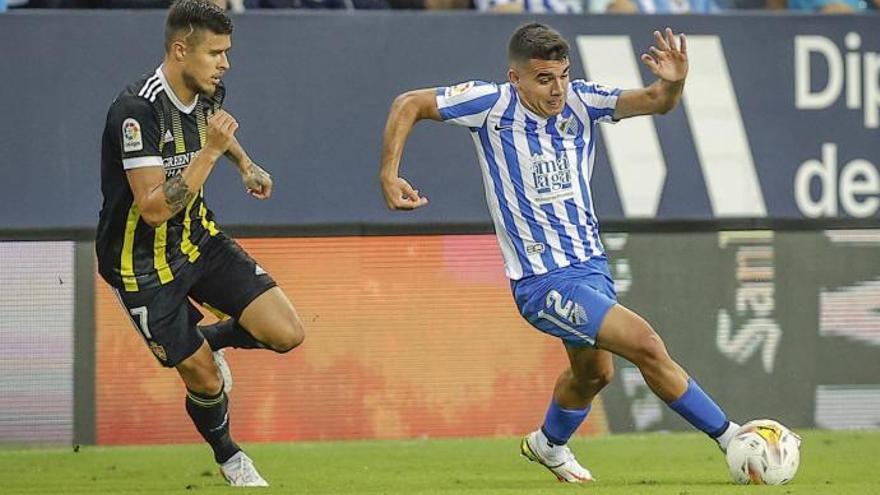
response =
{"points": [[496, 6]]}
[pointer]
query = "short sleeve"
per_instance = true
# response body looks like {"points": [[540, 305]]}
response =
{"points": [[467, 104], [599, 101], [137, 130]]}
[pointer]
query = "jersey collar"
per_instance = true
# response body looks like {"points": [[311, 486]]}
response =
{"points": [[173, 97], [534, 116]]}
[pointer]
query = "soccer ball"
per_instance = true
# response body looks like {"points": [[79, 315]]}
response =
{"points": [[763, 452]]}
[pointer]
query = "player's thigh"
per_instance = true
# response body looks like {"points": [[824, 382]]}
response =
{"points": [[236, 285], [166, 320], [230, 279], [590, 365], [566, 307]]}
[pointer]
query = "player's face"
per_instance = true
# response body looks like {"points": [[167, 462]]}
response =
{"points": [[206, 61], [542, 84]]}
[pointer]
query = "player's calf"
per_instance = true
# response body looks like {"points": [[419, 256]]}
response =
{"points": [[229, 333], [210, 414], [630, 336], [206, 403]]}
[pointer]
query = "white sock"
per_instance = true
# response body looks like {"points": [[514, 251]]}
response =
{"points": [[546, 447], [542, 439], [725, 438]]}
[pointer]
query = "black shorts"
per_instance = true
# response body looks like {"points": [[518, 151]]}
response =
{"points": [[224, 279]]}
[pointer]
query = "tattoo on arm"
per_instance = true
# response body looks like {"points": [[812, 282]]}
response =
{"points": [[177, 194]]}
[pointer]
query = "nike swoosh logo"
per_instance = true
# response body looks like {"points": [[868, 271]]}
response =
{"points": [[225, 420], [503, 128]]}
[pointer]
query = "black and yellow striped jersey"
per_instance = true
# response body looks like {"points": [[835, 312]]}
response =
{"points": [[148, 126]]}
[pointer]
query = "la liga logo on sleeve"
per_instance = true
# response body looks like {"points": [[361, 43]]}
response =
{"points": [[459, 89], [132, 139]]}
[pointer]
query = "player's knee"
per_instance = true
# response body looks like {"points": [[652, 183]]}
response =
{"points": [[588, 383], [650, 349], [292, 335], [602, 377], [201, 377], [211, 384], [567, 379], [596, 379]]}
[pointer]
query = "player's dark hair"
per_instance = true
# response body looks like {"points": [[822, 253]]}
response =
{"points": [[536, 40], [188, 17]]}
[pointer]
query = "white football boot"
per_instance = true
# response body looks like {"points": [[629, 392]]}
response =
{"points": [[557, 458], [239, 470], [223, 369]]}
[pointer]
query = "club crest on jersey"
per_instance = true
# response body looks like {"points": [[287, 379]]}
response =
{"points": [[131, 135], [568, 127], [551, 176], [159, 351], [459, 89]]}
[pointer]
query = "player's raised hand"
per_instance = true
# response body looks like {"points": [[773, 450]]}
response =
{"points": [[400, 195], [221, 129], [668, 59], [257, 181]]}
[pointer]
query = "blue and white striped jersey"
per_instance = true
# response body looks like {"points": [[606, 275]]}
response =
{"points": [[536, 171]]}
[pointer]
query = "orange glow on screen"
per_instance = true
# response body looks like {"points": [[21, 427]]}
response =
{"points": [[405, 337]]}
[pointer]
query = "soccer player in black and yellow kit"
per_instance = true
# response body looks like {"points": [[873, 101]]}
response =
{"points": [[157, 243]]}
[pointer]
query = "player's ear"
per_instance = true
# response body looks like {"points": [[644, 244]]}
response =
{"points": [[512, 75], [178, 50]]}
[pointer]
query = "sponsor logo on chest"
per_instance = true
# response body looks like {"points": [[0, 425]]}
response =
{"points": [[551, 177], [175, 164]]}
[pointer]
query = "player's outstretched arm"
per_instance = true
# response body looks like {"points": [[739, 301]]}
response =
{"points": [[257, 181], [668, 61], [407, 109], [159, 199]]}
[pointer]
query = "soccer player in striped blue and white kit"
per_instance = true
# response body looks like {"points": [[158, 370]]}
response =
{"points": [[535, 137]]}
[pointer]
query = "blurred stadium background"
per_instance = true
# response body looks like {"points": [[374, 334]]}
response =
{"points": [[745, 225]]}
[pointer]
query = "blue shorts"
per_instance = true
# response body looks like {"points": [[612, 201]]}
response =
{"points": [[569, 303]]}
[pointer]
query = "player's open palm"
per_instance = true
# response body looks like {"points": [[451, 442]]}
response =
{"points": [[668, 59], [221, 129], [400, 195]]}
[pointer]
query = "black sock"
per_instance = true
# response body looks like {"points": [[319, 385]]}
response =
{"points": [[210, 413], [228, 333]]}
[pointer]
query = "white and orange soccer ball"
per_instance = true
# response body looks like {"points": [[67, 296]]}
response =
{"points": [[763, 452]]}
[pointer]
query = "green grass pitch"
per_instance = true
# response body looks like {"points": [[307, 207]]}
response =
{"points": [[838, 463]]}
